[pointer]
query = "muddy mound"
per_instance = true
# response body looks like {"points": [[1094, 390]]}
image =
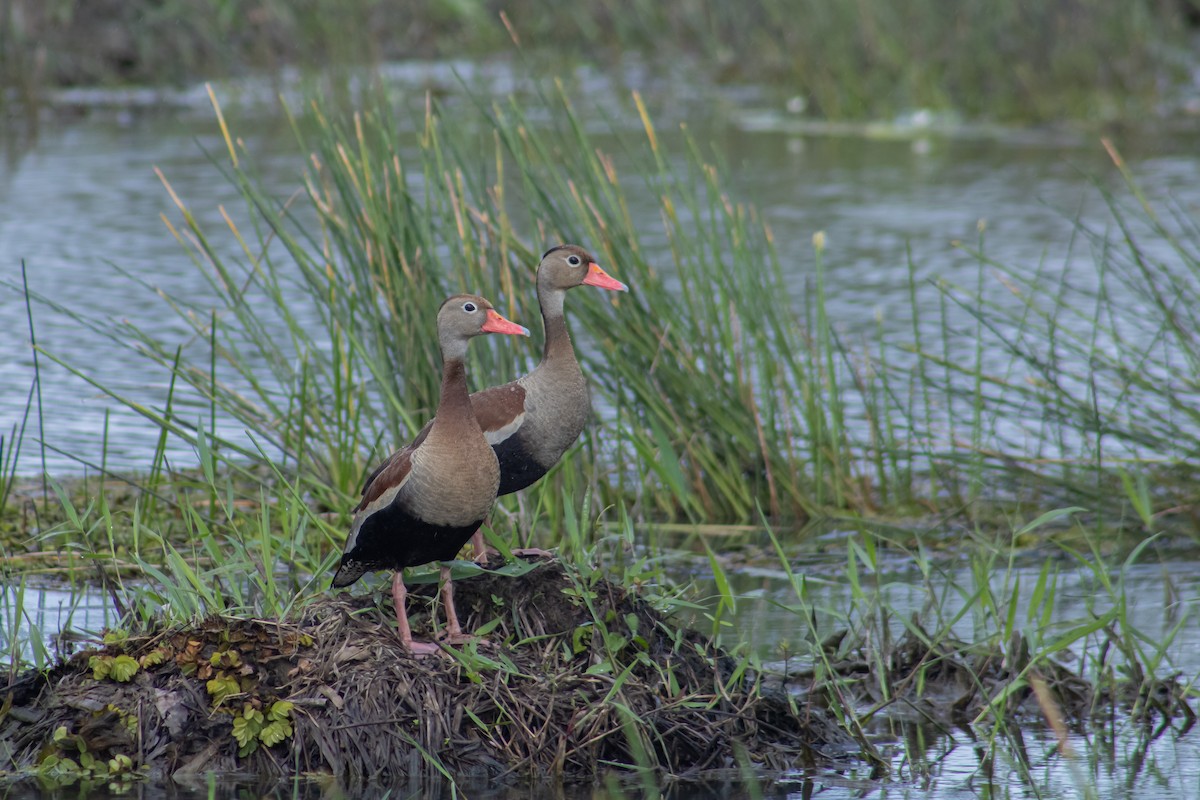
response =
{"points": [[577, 673]]}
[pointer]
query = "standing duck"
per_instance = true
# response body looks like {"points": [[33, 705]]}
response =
{"points": [[424, 503], [531, 421]]}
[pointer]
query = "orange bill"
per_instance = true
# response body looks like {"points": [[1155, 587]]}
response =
{"points": [[598, 277], [498, 324]]}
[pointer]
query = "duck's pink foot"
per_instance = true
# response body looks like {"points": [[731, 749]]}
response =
{"points": [[532, 552], [419, 648]]}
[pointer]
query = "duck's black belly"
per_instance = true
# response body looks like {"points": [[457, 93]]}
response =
{"points": [[518, 469], [392, 538]]}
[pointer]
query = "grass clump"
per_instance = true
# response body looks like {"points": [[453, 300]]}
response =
{"points": [[927, 650], [715, 405]]}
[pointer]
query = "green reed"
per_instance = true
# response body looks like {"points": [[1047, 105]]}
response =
{"points": [[723, 401], [718, 394], [1102, 362]]}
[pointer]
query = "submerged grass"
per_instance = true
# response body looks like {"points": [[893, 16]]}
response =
{"points": [[982, 654]]}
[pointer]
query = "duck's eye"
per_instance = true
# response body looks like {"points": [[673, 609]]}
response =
{"points": [[574, 261], [469, 307]]}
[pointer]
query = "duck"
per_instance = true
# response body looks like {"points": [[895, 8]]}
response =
{"points": [[429, 497], [531, 421]]}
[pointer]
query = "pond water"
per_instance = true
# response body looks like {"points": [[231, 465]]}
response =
{"points": [[84, 194]]}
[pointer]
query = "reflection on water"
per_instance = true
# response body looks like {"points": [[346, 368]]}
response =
{"points": [[926, 765]]}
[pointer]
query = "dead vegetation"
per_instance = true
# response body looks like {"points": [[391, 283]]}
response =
{"points": [[576, 676]]}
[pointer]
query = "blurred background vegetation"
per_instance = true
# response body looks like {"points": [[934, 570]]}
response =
{"points": [[1007, 60]]}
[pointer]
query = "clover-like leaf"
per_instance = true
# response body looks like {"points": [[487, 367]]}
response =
{"points": [[100, 666], [280, 710], [246, 730], [119, 763], [275, 732], [153, 658], [115, 636], [123, 668], [222, 687]]}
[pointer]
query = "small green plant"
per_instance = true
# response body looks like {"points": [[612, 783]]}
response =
{"points": [[121, 668], [222, 687], [252, 727]]}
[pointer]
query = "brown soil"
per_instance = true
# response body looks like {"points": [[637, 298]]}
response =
{"points": [[569, 691]]}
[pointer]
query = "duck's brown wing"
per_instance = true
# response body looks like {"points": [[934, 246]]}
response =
{"points": [[389, 475], [500, 411]]}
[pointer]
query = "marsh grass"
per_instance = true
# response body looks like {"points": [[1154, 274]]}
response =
{"points": [[1100, 392], [713, 403]]}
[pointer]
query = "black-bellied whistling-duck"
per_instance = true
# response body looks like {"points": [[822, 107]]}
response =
{"points": [[428, 498], [531, 421]]}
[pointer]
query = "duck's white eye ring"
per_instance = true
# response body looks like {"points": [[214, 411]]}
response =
{"points": [[574, 261], [469, 307]]}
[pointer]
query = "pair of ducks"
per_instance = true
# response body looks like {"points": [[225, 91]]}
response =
{"points": [[431, 496]]}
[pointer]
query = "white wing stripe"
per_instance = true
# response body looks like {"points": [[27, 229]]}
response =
{"points": [[502, 433]]}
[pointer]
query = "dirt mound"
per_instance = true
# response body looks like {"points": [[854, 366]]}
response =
{"points": [[582, 674]]}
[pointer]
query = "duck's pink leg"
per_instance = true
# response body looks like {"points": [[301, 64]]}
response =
{"points": [[454, 631], [399, 598], [480, 547]]}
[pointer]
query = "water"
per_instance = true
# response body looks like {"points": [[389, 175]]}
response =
{"points": [[1159, 597]]}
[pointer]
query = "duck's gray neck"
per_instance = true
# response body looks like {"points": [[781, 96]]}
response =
{"points": [[558, 339], [454, 407]]}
